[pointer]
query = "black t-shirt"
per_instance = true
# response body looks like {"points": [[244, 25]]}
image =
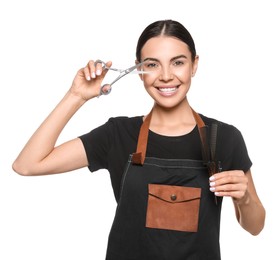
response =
{"points": [[109, 146]]}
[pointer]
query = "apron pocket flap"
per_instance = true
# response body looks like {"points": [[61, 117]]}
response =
{"points": [[174, 194]]}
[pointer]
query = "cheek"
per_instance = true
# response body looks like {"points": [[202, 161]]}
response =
{"points": [[183, 75], [149, 79]]}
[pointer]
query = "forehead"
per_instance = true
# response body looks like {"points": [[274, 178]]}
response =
{"points": [[164, 46]]}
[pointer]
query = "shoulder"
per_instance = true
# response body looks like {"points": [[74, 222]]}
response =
{"points": [[223, 126], [122, 127], [231, 148], [112, 128], [123, 122], [228, 134]]}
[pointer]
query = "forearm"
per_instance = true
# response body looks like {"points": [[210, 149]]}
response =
{"points": [[250, 214], [42, 142]]}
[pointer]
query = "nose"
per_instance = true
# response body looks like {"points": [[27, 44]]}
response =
{"points": [[166, 74]]}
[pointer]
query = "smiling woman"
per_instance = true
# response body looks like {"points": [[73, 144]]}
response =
{"points": [[170, 71], [159, 163]]}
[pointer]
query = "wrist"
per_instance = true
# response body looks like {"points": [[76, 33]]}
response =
{"points": [[245, 200], [75, 98]]}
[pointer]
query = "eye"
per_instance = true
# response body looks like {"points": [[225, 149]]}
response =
{"points": [[151, 65], [178, 63]]}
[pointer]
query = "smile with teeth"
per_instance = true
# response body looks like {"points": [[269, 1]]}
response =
{"points": [[167, 89]]}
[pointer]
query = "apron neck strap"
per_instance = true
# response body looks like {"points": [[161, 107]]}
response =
{"points": [[139, 156]]}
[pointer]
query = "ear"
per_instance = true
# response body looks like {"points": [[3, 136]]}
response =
{"points": [[195, 65]]}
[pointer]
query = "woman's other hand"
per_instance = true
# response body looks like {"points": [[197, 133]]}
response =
{"points": [[230, 183]]}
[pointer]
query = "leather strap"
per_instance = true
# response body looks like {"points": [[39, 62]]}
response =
{"points": [[202, 128], [139, 156]]}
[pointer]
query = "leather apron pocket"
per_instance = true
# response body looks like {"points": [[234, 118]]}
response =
{"points": [[173, 207]]}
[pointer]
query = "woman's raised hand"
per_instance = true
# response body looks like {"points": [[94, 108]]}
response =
{"points": [[88, 80]]}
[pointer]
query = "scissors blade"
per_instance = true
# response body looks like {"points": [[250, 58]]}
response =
{"points": [[139, 72], [129, 70]]}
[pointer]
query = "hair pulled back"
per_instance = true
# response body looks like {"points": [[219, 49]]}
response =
{"points": [[166, 28]]}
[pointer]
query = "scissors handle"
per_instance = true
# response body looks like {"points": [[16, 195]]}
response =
{"points": [[104, 91]]}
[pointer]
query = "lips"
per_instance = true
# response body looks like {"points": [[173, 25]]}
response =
{"points": [[167, 91]]}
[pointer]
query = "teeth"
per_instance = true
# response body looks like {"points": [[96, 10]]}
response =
{"points": [[167, 89]]}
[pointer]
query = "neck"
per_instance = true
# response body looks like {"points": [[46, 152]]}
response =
{"points": [[173, 121]]}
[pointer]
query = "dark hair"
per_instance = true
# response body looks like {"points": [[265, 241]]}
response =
{"points": [[168, 28]]}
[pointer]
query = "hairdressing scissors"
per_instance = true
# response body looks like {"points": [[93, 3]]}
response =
{"points": [[122, 73]]}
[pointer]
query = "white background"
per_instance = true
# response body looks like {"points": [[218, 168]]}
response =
{"points": [[44, 43]]}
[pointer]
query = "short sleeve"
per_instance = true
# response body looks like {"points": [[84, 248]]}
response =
{"points": [[232, 149], [240, 158], [97, 144]]}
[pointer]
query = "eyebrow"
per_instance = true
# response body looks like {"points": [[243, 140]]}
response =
{"points": [[174, 58]]}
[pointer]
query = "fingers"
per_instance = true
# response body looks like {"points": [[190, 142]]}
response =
{"points": [[92, 71], [88, 80], [229, 183]]}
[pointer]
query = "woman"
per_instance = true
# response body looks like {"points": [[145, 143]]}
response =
{"points": [[157, 162]]}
